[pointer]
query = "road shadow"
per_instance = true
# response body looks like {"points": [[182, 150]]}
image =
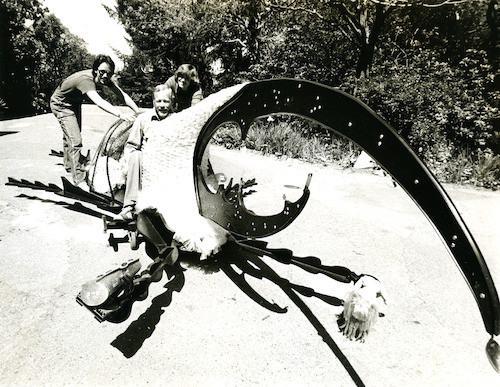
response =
{"points": [[249, 262], [237, 259], [130, 341], [7, 132], [76, 207]]}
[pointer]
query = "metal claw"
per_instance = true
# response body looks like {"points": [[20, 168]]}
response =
{"points": [[493, 353]]}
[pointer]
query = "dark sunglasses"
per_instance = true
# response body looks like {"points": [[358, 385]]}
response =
{"points": [[103, 72]]}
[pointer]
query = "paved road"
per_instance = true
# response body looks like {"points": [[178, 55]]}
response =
{"points": [[210, 332]]}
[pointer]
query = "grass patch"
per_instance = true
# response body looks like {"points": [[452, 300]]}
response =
{"points": [[299, 138], [290, 136]]}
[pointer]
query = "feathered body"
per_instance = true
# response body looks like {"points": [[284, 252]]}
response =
{"points": [[168, 181]]}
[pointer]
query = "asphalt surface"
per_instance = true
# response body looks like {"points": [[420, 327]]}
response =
{"points": [[202, 329]]}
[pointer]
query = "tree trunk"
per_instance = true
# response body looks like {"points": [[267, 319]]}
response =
{"points": [[367, 35], [365, 60]]}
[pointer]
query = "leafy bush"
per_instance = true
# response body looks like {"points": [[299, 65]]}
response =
{"points": [[441, 100], [439, 110], [487, 170], [290, 136], [36, 53]]}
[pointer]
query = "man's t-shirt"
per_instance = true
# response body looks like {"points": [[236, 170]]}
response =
{"points": [[71, 92]]}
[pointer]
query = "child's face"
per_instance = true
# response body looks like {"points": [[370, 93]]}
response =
{"points": [[183, 82]]}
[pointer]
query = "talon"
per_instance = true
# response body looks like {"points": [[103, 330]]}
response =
{"points": [[493, 353], [361, 308]]}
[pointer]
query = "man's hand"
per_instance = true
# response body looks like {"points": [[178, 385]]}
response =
{"points": [[129, 117]]}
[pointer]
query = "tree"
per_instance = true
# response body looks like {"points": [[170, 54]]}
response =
{"points": [[493, 19], [14, 91], [164, 35], [159, 41], [36, 52], [362, 21]]}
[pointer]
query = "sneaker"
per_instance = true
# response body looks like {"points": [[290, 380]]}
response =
{"points": [[127, 213]]}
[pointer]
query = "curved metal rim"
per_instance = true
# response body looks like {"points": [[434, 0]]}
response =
{"points": [[349, 117]]}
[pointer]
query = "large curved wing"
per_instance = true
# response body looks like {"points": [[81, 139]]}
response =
{"points": [[347, 116]]}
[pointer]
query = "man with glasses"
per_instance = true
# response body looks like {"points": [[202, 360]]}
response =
{"points": [[66, 104]]}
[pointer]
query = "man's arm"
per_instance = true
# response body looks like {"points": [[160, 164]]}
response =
{"points": [[106, 106], [126, 98]]}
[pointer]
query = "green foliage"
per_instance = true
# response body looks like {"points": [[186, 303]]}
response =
{"points": [[37, 51], [294, 52], [433, 69], [449, 30], [439, 109], [160, 35], [290, 136], [59, 54], [487, 170], [432, 76], [229, 41]]}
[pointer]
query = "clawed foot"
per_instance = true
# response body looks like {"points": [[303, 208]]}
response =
{"points": [[362, 306]]}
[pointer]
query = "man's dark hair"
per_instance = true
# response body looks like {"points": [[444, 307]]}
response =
{"points": [[101, 58]]}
